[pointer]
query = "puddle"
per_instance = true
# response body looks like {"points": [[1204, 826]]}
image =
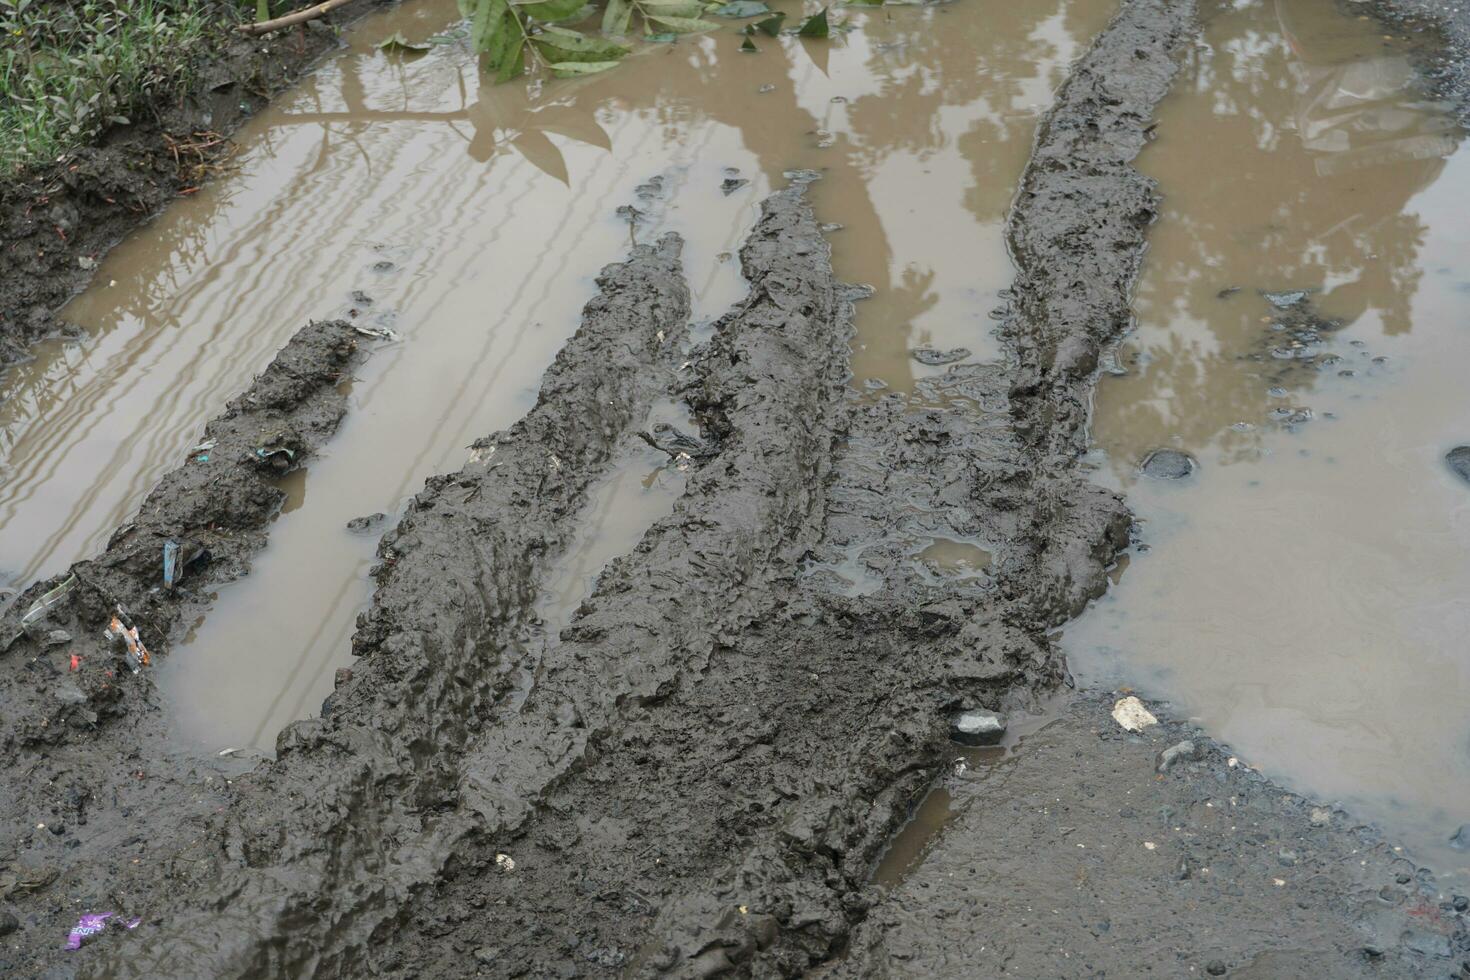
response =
{"points": [[474, 219], [954, 559], [971, 767], [1305, 592]]}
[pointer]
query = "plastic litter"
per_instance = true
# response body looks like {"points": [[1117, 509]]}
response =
{"points": [[377, 333], [48, 601], [91, 924], [170, 563], [121, 628], [277, 457]]}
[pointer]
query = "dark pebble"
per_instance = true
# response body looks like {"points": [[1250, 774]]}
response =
{"points": [[8, 923], [732, 184], [1168, 464], [383, 265], [1460, 903], [1458, 460], [1215, 968], [933, 358], [361, 524]]}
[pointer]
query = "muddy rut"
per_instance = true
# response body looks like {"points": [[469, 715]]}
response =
{"points": [[699, 772]]}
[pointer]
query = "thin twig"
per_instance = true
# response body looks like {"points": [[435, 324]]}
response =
{"points": [[299, 17]]}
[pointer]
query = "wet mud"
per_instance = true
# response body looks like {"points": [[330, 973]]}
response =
{"points": [[1085, 854], [719, 744], [699, 766], [81, 715]]}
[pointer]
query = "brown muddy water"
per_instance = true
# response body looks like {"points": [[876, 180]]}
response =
{"points": [[473, 218], [1305, 593]]}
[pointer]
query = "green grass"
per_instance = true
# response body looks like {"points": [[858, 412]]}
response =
{"points": [[70, 69]]}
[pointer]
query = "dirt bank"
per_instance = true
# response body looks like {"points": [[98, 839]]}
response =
{"points": [[57, 221], [82, 732]]}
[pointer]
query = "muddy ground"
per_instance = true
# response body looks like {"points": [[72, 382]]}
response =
{"points": [[699, 774], [58, 220]]}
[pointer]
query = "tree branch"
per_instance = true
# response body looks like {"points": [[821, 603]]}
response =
{"points": [[299, 17]]}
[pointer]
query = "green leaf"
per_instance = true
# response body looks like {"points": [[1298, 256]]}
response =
{"points": [[748, 46], [815, 25], [685, 25], [736, 9], [771, 26], [550, 10], [559, 44], [262, 10], [616, 17], [571, 69], [664, 37], [514, 62], [672, 8], [492, 30], [400, 43]]}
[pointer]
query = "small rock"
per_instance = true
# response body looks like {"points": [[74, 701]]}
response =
{"points": [[1458, 460], [383, 265], [1286, 299], [730, 185], [1460, 839], [359, 525], [485, 956], [801, 176], [361, 298], [8, 923], [505, 862], [933, 358], [1215, 968], [343, 675], [1321, 816], [977, 728], [1183, 752], [1460, 903], [1168, 464], [1132, 715], [56, 638]]}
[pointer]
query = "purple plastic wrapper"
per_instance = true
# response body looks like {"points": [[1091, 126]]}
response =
{"points": [[91, 924]]}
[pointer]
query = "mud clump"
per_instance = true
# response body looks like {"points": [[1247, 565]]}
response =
{"points": [[1168, 464]]}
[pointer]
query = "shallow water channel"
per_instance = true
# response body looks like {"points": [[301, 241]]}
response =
{"points": [[473, 218], [1306, 591]]}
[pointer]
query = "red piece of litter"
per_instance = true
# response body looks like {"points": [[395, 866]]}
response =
{"points": [[76, 661]]}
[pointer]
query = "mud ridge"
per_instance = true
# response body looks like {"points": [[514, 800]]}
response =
{"points": [[724, 810], [79, 728], [323, 848]]}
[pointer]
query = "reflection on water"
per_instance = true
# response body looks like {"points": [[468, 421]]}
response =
{"points": [[473, 219], [1306, 592]]}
